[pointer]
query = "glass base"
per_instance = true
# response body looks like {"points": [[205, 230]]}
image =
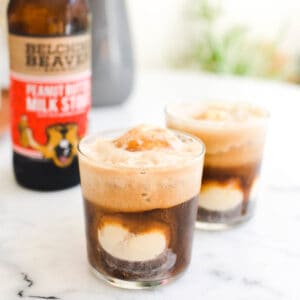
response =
{"points": [[218, 226], [132, 285], [216, 221]]}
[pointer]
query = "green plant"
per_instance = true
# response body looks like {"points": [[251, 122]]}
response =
{"points": [[230, 50]]}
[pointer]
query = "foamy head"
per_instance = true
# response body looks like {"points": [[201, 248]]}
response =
{"points": [[142, 169], [233, 132]]}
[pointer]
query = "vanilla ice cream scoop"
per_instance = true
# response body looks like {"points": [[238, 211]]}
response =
{"points": [[119, 242], [217, 197]]}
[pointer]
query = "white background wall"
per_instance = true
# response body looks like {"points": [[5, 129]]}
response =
{"points": [[154, 27], [156, 24], [3, 48]]}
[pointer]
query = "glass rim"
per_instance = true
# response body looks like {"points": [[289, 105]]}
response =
{"points": [[211, 123], [100, 134]]}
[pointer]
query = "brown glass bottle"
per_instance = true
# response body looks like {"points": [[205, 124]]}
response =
{"points": [[49, 89]]}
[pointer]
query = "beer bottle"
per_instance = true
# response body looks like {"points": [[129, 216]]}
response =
{"points": [[49, 47]]}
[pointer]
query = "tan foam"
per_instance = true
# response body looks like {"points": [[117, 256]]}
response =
{"points": [[162, 175], [234, 133]]}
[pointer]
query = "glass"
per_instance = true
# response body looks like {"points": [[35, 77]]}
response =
{"points": [[139, 220], [233, 158]]}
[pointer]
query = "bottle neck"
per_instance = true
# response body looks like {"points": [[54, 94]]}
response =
{"points": [[48, 18]]}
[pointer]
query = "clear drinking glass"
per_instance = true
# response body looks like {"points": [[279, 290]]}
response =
{"points": [[234, 136], [139, 220]]}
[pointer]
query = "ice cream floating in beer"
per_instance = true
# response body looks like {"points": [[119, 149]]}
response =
{"points": [[234, 135], [140, 192], [141, 188]]}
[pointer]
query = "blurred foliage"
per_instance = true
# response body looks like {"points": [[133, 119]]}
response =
{"points": [[295, 74], [230, 49]]}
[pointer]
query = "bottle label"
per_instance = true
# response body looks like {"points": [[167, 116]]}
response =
{"points": [[50, 94]]}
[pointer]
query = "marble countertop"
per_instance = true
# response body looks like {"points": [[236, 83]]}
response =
{"points": [[42, 243]]}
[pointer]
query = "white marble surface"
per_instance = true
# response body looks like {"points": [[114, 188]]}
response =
{"points": [[42, 244]]}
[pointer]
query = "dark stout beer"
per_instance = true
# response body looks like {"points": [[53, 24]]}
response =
{"points": [[49, 89]]}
